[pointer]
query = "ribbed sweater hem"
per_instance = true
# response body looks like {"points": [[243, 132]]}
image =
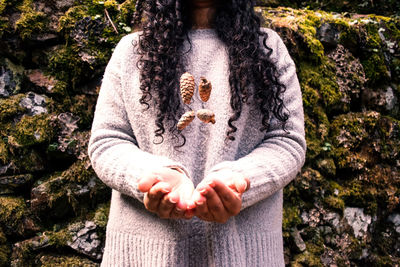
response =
{"points": [[250, 249]]}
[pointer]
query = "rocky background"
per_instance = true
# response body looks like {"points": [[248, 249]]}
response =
{"points": [[342, 209]]}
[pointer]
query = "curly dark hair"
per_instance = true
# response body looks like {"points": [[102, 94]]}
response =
{"points": [[165, 27]]}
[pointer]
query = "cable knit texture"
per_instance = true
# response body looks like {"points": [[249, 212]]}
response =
{"points": [[121, 148]]}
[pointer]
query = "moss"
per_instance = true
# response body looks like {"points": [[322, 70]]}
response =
{"points": [[308, 27], [375, 68], [349, 130], [83, 107], [326, 166], [373, 61], [355, 248], [334, 188], [351, 136], [375, 260], [101, 215], [314, 142], [291, 217], [12, 213], [66, 65], [79, 173], [360, 194], [348, 36], [62, 260], [10, 107], [315, 248], [4, 155], [322, 79], [31, 21], [60, 88], [67, 22], [4, 250], [33, 130], [60, 239], [306, 259], [334, 203], [28, 160]]}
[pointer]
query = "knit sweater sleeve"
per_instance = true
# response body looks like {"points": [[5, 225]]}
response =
{"points": [[277, 160], [113, 149]]}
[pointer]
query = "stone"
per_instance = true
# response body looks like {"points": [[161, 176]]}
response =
{"points": [[23, 249], [333, 219], [328, 34], [358, 221], [391, 99], [10, 167], [15, 217], [395, 219], [85, 239], [67, 193], [10, 184], [298, 240], [62, 260], [38, 78], [34, 104], [11, 78], [349, 72]]}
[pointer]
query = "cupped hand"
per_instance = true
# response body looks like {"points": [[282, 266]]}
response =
{"points": [[219, 196], [168, 193]]}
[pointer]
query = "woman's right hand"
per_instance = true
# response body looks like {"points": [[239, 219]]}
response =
{"points": [[168, 193]]}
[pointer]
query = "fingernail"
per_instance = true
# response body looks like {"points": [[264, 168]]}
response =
{"points": [[211, 183], [245, 185], [203, 191], [178, 209], [199, 202], [173, 201], [165, 190]]}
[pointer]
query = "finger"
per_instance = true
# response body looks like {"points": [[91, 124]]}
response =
{"points": [[215, 205], [165, 207], [197, 198], [177, 213], [241, 184], [230, 199], [201, 210], [147, 182], [185, 192], [154, 195], [189, 214]]}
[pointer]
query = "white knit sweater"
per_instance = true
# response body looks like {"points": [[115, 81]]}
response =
{"points": [[121, 148]]}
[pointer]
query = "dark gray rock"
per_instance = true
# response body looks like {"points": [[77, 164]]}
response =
{"points": [[9, 184], [329, 35], [358, 221], [11, 78], [34, 104], [85, 239]]}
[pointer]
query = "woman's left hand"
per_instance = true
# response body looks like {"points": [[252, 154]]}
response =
{"points": [[219, 196]]}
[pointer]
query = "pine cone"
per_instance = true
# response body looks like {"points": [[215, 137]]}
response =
{"points": [[206, 115], [187, 87], [185, 120], [204, 89]]}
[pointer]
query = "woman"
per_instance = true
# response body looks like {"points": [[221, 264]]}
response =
{"points": [[183, 198]]}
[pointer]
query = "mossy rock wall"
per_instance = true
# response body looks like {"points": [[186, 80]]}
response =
{"points": [[342, 209]]}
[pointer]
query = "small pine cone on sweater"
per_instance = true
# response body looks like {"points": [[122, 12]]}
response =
{"points": [[185, 120], [204, 89], [206, 115], [187, 87]]}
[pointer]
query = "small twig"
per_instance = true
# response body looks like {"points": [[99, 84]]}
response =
{"points": [[109, 19]]}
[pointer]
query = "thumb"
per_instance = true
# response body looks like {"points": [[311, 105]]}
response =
{"points": [[242, 184]]}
